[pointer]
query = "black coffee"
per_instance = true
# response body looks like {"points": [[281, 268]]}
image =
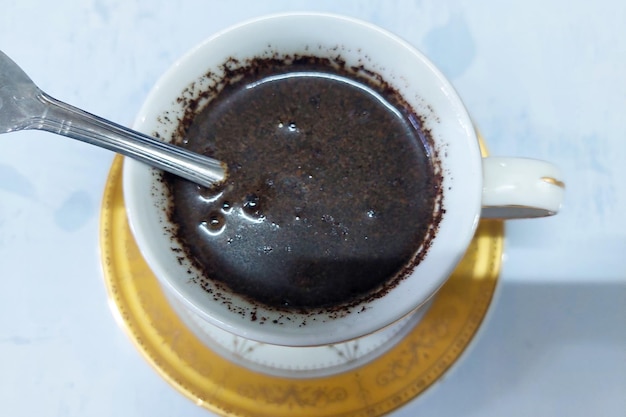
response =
{"points": [[330, 190]]}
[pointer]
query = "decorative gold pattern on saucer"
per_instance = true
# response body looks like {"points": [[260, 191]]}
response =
{"points": [[225, 388]]}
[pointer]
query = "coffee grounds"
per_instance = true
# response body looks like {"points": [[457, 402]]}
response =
{"points": [[331, 191]]}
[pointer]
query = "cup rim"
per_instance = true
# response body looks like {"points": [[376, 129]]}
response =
{"points": [[460, 227]]}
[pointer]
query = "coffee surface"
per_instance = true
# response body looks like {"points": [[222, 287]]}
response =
{"points": [[330, 188]]}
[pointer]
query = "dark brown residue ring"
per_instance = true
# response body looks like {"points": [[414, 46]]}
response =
{"points": [[194, 101]]}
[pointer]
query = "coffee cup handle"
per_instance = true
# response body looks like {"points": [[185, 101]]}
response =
{"points": [[516, 188]]}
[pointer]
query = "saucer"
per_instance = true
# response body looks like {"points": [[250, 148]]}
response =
{"points": [[221, 380]]}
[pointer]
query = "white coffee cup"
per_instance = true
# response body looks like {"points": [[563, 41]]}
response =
{"points": [[499, 187]]}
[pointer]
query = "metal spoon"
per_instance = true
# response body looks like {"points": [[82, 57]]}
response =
{"points": [[24, 106]]}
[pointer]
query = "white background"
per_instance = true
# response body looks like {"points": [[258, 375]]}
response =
{"points": [[542, 79]]}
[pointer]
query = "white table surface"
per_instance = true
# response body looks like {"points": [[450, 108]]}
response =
{"points": [[544, 79]]}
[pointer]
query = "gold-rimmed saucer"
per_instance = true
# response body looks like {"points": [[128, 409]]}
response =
{"points": [[226, 388]]}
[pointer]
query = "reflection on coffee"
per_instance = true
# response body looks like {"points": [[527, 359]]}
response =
{"points": [[331, 194]]}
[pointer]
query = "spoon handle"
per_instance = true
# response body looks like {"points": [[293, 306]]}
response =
{"points": [[63, 119]]}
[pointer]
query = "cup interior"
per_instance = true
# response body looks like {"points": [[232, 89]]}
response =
{"points": [[359, 44]]}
